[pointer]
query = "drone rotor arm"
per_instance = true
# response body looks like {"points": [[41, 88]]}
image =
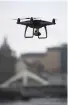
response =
{"points": [[25, 31]]}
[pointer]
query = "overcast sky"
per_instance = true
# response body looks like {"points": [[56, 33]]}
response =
{"points": [[15, 33]]}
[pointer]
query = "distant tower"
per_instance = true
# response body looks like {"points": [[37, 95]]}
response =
{"points": [[5, 49]]}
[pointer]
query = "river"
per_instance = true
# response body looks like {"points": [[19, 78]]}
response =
{"points": [[40, 101]]}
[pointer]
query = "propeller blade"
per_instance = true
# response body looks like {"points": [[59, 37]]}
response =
{"points": [[35, 18], [25, 18], [28, 18], [14, 19]]}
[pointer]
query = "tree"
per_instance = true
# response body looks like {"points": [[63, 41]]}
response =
{"points": [[7, 62]]}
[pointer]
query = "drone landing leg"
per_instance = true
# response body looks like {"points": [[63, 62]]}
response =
{"points": [[46, 34], [25, 33], [46, 31], [33, 31]]}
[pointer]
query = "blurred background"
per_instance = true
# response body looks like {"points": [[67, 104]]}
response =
{"points": [[31, 66], [50, 65]]}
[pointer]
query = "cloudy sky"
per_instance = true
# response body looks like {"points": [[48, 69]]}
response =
{"points": [[47, 10]]}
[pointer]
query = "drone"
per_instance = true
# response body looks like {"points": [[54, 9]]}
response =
{"points": [[35, 24]]}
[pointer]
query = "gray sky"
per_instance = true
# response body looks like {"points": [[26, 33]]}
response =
{"points": [[15, 33]]}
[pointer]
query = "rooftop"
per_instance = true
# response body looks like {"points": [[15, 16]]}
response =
{"points": [[32, 54]]}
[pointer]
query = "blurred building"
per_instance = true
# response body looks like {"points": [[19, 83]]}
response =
{"points": [[7, 62], [31, 57], [33, 62], [54, 60], [64, 58]]}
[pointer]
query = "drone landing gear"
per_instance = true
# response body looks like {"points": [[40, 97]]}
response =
{"points": [[46, 34], [25, 33]]}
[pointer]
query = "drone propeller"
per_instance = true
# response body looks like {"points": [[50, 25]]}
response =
{"points": [[28, 18], [17, 19], [14, 19], [25, 18]]}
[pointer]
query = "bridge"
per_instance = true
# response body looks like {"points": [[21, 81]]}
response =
{"points": [[24, 75]]}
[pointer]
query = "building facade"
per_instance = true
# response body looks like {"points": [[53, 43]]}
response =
{"points": [[54, 60]]}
